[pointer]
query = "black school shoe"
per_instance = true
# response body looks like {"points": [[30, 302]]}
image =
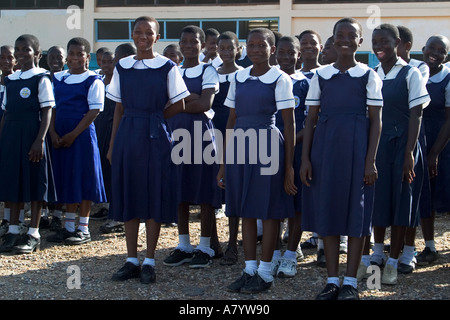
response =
{"points": [[27, 244], [239, 283], [78, 238], [330, 292], [128, 271], [10, 241], [199, 260], [102, 214], [177, 257], [348, 292], [148, 274], [256, 285], [60, 235]]}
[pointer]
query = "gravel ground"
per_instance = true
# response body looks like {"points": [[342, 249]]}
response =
{"points": [[44, 275]]}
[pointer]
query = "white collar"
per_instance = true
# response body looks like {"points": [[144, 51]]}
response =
{"points": [[438, 77], [269, 77], [27, 74], [399, 62], [193, 72], [74, 78], [298, 75], [329, 70], [225, 77], [415, 63], [157, 62]]}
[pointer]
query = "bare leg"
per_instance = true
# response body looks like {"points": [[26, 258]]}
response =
{"points": [[249, 234], [85, 208], [295, 231], [36, 210], [271, 232], [131, 235], [183, 218], [331, 249], [397, 240], [355, 248], [153, 229], [207, 219]]}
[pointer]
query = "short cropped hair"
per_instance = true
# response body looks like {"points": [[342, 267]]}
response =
{"points": [[348, 20], [267, 33], [79, 41], [147, 19], [300, 36], [228, 35], [405, 34], [195, 30], [125, 50], [211, 32], [32, 40], [293, 40], [390, 29]]}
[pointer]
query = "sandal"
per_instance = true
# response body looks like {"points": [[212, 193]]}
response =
{"points": [[112, 227], [230, 258]]}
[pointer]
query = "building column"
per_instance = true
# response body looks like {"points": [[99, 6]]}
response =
{"points": [[89, 23], [285, 22]]}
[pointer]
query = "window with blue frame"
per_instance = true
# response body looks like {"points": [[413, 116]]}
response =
{"points": [[120, 30]]}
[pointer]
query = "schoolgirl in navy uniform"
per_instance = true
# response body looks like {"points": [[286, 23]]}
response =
{"points": [[25, 167], [338, 160], [148, 89]]}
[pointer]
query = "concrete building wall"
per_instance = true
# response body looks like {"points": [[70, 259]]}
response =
{"points": [[56, 27]]}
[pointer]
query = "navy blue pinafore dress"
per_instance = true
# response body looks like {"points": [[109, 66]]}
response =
{"points": [[338, 202], [23, 180], [300, 90], [251, 192], [436, 192], [396, 201], [143, 175], [221, 112], [197, 180], [77, 169]]}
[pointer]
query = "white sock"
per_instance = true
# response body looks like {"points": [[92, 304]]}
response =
{"points": [[83, 225], [250, 267], [365, 259], [290, 255], [69, 223], [22, 215], [378, 249], [57, 213], [205, 246], [407, 255], [350, 281], [14, 229], [184, 243], [7, 214], [393, 262], [334, 280], [205, 242], [265, 271], [133, 260], [319, 243], [149, 261], [34, 232], [276, 255], [430, 244]]}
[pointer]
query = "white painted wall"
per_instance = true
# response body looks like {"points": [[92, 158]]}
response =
{"points": [[50, 26]]}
